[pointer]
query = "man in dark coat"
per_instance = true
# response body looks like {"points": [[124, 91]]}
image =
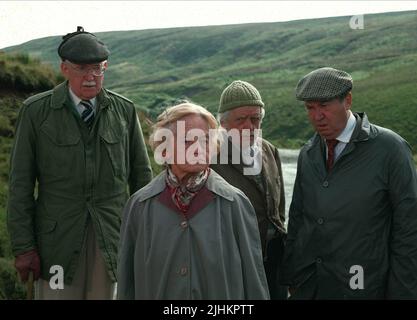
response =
{"points": [[257, 171], [352, 231]]}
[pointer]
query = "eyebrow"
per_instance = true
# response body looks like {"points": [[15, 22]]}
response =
{"points": [[250, 115]]}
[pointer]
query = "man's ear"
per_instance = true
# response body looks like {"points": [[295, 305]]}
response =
{"points": [[348, 100], [223, 124], [64, 70]]}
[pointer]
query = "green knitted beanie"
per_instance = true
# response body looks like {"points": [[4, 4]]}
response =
{"points": [[239, 94]]}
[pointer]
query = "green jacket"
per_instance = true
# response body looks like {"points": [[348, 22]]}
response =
{"points": [[61, 174], [269, 199], [215, 254], [363, 213]]}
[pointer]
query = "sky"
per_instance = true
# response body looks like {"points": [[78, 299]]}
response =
{"points": [[21, 21]]}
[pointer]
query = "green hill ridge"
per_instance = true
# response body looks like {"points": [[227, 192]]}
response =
{"points": [[156, 67]]}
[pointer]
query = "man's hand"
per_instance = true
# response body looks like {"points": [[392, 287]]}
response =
{"points": [[292, 290], [27, 262]]}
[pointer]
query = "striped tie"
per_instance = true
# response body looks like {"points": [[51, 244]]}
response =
{"points": [[88, 114]]}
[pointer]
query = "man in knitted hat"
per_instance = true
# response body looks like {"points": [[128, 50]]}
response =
{"points": [[240, 113], [81, 145], [352, 231]]}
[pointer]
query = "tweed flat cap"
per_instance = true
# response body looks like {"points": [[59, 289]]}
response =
{"points": [[323, 84], [239, 94], [82, 47]]}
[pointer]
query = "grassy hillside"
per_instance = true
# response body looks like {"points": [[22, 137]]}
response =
{"points": [[20, 76], [153, 67], [156, 67]]}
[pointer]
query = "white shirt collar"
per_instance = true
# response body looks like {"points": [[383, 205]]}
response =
{"points": [[77, 100], [348, 130]]}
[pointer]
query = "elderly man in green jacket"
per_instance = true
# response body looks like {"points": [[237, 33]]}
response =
{"points": [[77, 149], [256, 171], [352, 231]]}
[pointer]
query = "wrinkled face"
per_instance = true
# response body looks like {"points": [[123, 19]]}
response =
{"points": [[85, 80], [241, 118], [329, 118], [193, 144]]}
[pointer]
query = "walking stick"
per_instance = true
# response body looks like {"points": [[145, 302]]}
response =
{"points": [[29, 294]]}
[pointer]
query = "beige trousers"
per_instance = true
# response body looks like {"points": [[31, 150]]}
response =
{"points": [[91, 280]]}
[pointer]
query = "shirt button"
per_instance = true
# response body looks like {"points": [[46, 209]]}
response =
{"points": [[183, 271], [320, 220], [184, 224], [319, 260], [325, 184]]}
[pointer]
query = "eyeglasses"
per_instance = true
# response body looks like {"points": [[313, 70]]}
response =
{"points": [[96, 70]]}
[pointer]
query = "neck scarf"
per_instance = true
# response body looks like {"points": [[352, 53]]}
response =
{"points": [[182, 193]]}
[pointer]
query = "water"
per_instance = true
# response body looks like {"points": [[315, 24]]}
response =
{"points": [[289, 169]]}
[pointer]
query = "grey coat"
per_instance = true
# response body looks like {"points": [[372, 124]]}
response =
{"points": [[216, 254]]}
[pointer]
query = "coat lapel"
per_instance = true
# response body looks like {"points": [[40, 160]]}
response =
{"points": [[315, 153], [239, 166], [360, 133]]}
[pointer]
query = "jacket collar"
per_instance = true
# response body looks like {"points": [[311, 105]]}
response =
{"points": [[215, 183], [60, 97], [315, 146], [239, 166], [362, 132]]}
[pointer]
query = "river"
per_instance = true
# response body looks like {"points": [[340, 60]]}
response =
{"points": [[289, 168]]}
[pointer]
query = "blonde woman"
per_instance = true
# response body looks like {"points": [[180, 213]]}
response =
{"points": [[189, 234]]}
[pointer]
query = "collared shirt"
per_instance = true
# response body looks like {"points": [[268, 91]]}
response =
{"points": [[345, 136], [80, 108]]}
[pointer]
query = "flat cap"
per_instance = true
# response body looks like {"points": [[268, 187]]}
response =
{"points": [[82, 47], [239, 94], [323, 84]]}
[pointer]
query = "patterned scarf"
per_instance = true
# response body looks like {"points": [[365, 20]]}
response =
{"points": [[183, 193]]}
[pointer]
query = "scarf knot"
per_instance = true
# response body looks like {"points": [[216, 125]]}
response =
{"points": [[183, 193]]}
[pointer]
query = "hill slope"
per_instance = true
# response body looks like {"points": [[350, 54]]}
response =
{"points": [[20, 77], [155, 67]]}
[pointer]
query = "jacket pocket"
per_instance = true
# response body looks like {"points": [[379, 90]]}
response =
{"points": [[58, 150], [114, 141], [60, 138], [46, 226], [45, 237]]}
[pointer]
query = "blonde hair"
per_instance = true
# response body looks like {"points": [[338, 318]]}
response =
{"points": [[172, 114]]}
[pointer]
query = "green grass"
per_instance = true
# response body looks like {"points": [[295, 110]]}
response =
{"points": [[20, 77]]}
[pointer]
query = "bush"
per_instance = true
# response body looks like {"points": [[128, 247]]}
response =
{"points": [[20, 76], [10, 285], [19, 72]]}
